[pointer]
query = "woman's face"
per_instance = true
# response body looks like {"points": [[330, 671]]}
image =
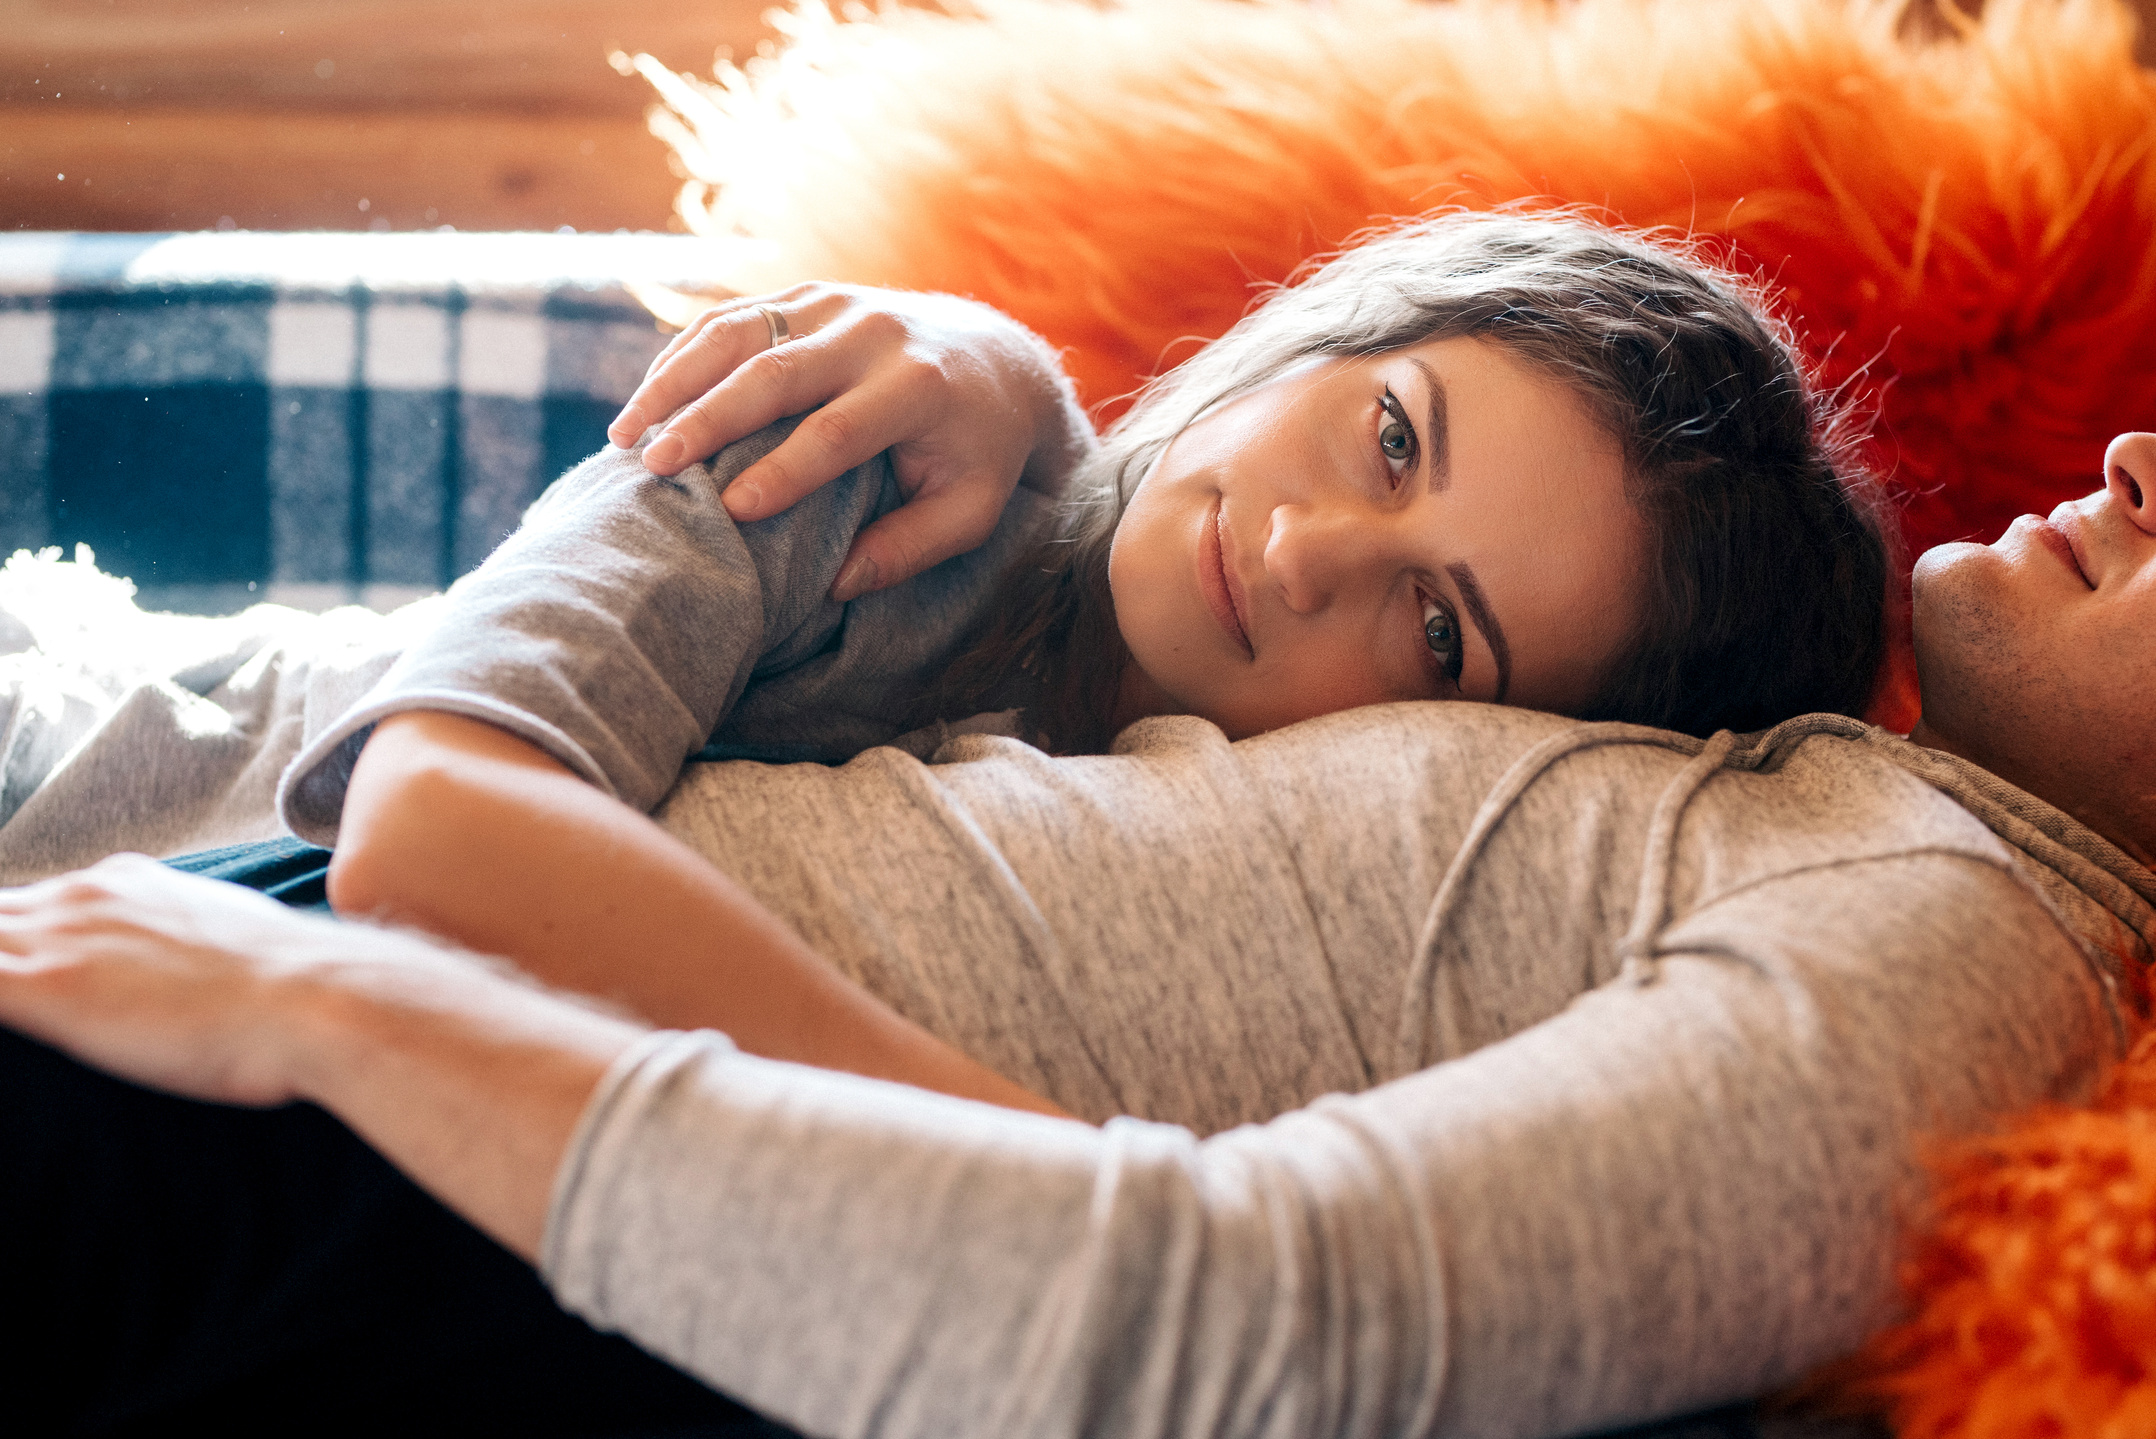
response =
{"points": [[1435, 522]]}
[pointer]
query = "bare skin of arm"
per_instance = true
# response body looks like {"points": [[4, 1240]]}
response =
{"points": [[462, 829]]}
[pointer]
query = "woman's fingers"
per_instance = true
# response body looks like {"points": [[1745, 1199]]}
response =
{"points": [[713, 347], [842, 432], [924, 532], [702, 357]]}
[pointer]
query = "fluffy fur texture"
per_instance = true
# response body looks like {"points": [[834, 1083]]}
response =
{"points": [[1958, 224], [2034, 1280]]}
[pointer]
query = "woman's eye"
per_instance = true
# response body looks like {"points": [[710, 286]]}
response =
{"points": [[1441, 632], [1395, 437]]}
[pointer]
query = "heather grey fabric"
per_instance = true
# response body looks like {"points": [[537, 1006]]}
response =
{"points": [[160, 733], [626, 624], [631, 620], [1627, 1044]]}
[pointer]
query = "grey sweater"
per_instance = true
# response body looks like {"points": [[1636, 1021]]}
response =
{"points": [[625, 626], [1600, 1060], [629, 623]]}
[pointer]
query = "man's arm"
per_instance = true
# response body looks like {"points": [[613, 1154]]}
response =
{"points": [[1473, 1249], [469, 832]]}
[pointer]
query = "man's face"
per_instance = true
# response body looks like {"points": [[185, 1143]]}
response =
{"points": [[2036, 655]]}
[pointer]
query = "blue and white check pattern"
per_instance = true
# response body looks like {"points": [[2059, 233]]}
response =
{"points": [[315, 416]]}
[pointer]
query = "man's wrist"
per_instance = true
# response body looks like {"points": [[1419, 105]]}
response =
{"points": [[342, 1022], [470, 1081]]}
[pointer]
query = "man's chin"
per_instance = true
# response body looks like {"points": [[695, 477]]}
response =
{"points": [[1956, 626], [1954, 593], [1941, 561]]}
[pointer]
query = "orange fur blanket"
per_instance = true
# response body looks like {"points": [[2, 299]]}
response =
{"points": [[1960, 225], [1960, 215], [2034, 1280]]}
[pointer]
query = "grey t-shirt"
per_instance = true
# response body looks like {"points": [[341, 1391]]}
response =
{"points": [[630, 622], [1600, 1059]]}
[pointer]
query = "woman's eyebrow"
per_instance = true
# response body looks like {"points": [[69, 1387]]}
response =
{"points": [[1493, 633], [1437, 444]]}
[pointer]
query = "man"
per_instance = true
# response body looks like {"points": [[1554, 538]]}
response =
{"points": [[1641, 1088], [2034, 656]]}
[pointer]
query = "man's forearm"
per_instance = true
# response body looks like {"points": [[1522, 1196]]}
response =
{"points": [[470, 1078], [471, 833], [469, 1083]]}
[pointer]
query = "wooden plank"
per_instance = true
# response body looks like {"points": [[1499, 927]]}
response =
{"points": [[539, 55], [174, 114], [185, 168], [531, 54]]}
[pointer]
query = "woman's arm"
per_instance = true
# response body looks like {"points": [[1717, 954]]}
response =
{"points": [[469, 832], [618, 629]]}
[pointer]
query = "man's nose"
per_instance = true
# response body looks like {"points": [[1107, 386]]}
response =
{"points": [[2130, 475], [1314, 550]]}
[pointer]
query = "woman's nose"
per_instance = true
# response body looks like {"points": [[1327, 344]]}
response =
{"points": [[2130, 475], [1315, 549]]}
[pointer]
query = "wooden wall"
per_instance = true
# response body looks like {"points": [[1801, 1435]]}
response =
{"points": [[353, 114], [342, 114]]}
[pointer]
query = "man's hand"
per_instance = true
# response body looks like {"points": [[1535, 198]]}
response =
{"points": [[968, 402], [468, 1078], [159, 977]]}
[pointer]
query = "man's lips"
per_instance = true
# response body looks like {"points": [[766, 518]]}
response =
{"points": [[1216, 581], [2061, 544]]}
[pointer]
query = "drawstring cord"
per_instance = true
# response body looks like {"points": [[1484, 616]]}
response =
{"points": [[1637, 963], [1416, 1016]]}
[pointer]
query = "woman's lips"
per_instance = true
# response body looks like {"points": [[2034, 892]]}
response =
{"points": [[1216, 585]]}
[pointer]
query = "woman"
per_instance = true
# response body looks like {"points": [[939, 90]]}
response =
{"points": [[1514, 459]]}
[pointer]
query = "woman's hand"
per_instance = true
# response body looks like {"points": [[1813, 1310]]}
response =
{"points": [[969, 403]]}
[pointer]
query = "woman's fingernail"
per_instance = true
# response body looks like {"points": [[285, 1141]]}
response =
{"points": [[626, 427], [742, 499], [665, 450], [857, 578]]}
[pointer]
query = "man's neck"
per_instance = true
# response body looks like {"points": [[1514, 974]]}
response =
{"points": [[1930, 738], [2134, 839], [1138, 697]]}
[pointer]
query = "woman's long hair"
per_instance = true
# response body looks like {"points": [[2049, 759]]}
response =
{"points": [[1768, 564]]}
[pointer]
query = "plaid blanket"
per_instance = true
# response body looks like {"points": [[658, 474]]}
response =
{"points": [[314, 418]]}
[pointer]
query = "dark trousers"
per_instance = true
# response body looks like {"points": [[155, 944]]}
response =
{"points": [[165, 1261]]}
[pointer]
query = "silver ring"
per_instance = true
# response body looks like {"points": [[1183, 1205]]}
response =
{"points": [[777, 323]]}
